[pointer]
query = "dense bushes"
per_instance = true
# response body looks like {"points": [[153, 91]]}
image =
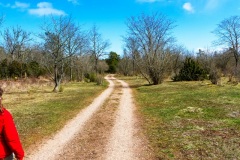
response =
{"points": [[215, 76], [90, 77], [191, 71], [15, 69], [34, 69], [93, 77], [12, 69], [4, 70]]}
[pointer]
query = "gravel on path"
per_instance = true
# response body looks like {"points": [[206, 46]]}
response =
{"points": [[121, 144], [50, 148], [110, 132]]}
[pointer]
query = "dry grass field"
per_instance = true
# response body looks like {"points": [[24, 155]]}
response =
{"points": [[182, 120], [38, 112], [190, 120]]}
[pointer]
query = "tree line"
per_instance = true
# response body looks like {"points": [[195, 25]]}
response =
{"points": [[63, 50], [151, 50]]}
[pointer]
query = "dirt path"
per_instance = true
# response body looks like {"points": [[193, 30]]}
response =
{"points": [[121, 144], [107, 129]]}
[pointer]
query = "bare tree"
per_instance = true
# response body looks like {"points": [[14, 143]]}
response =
{"points": [[2, 52], [16, 41], [98, 46], [224, 61], [83, 65], [125, 66], [205, 59], [60, 36], [228, 32], [76, 44], [152, 35], [131, 48], [102, 66], [177, 59]]}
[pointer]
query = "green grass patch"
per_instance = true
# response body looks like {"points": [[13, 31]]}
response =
{"points": [[190, 120], [39, 113]]}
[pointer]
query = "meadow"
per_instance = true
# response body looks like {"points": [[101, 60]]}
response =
{"points": [[189, 120], [38, 112], [181, 120]]}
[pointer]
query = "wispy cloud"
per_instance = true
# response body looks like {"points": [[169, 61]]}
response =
{"points": [[45, 8], [20, 5], [188, 7], [75, 2], [16, 5]]}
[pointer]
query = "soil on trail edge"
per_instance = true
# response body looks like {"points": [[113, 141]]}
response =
{"points": [[49, 149]]}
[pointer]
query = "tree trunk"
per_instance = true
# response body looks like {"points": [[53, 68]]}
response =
{"points": [[71, 74], [57, 79], [56, 86], [71, 69], [96, 65]]}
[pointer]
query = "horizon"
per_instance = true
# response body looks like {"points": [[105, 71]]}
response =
{"points": [[195, 20]]}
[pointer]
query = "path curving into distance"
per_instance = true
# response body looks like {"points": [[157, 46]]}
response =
{"points": [[49, 149], [108, 129]]}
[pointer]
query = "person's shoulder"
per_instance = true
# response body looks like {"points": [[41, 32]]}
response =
{"points": [[5, 112], [5, 115]]}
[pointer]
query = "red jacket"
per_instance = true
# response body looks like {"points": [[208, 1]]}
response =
{"points": [[9, 139]]}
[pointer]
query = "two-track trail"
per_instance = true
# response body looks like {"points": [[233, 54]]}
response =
{"points": [[106, 129]]}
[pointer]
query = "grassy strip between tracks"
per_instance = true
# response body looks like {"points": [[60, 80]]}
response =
{"points": [[190, 120], [38, 112]]}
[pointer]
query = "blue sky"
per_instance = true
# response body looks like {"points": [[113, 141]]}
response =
{"points": [[195, 19]]}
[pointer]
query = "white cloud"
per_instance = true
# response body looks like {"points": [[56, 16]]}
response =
{"points": [[45, 8], [17, 4], [188, 7], [74, 2], [21, 5]]}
